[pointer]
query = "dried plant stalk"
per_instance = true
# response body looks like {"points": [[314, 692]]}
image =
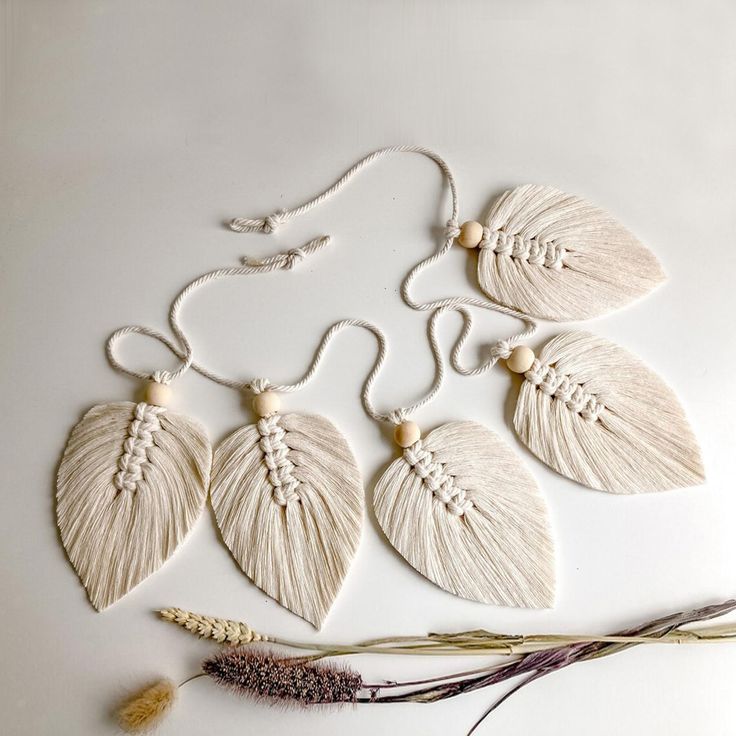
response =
{"points": [[476, 642], [260, 674]]}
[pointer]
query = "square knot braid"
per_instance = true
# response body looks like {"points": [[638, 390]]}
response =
{"points": [[276, 459], [560, 386], [437, 479], [135, 448], [547, 254]]}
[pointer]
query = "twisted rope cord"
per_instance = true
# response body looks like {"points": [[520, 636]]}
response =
{"points": [[259, 385], [183, 350], [272, 222], [284, 261], [533, 252], [397, 415]]}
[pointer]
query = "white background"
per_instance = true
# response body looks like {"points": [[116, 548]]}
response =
{"points": [[132, 130]]}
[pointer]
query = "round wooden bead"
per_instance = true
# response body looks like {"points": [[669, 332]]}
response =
{"points": [[158, 394], [471, 233], [521, 359], [407, 433], [266, 403]]}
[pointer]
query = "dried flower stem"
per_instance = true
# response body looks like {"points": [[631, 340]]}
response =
{"points": [[479, 642], [258, 673]]}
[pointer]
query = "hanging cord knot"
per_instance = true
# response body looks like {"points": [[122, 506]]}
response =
{"points": [[163, 377], [452, 229], [501, 350], [397, 416], [266, 225], [485, 238], [258, 385]]}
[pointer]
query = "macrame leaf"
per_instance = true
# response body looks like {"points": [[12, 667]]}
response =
{"points": [[595, 413], [288, 499], [462, 510], [132, 482], [555, 256]]}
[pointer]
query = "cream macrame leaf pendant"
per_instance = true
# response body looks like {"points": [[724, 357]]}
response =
{"points": [[288, 499], [555, 256], [132, 482], [464, 512], [595, 413]]}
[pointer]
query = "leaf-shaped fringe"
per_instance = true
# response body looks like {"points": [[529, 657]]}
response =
{"points": [[462, 510], [595, 413], [132, 482], [555, 256], [288, 496]]}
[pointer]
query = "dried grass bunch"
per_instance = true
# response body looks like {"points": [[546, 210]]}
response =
{"points": [[263, 674]]}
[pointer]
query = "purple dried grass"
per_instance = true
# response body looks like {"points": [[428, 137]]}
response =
{"points": [[264, 675]]}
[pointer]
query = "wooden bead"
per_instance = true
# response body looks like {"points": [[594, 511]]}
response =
{"points": [[266, 403], [158, 394], [521, 359], [407, 433], [471, 233]]}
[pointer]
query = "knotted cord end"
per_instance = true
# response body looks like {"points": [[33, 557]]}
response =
{"points": [[288, 259], [266, 225]]}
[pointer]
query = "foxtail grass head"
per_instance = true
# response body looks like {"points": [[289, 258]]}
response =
{"points": [[263, 675]]}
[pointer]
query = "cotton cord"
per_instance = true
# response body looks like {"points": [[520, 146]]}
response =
{"points": [[272, 222], [287, 260], [394, 417], [501, 350], [259, 385], [280, 261], [183, 351]]}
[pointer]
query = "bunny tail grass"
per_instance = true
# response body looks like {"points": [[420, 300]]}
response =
{"points": [[148, 707]]}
